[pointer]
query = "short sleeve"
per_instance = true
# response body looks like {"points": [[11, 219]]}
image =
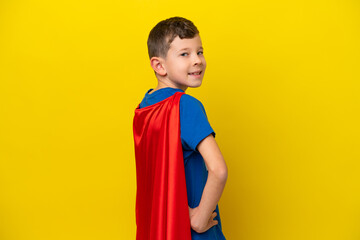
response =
{"points": [[194, 124]]}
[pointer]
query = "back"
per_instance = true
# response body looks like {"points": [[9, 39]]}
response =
{"points": [[161, 200], [194, 127]]}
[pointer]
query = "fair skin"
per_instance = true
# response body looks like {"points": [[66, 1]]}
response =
{"points": [[184, 66], [177, 69]]}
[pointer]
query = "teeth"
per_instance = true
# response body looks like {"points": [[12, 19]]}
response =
{"points": [[195, 73]]}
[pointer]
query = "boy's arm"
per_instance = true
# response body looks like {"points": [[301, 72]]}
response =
{"points": [[201, 217]]}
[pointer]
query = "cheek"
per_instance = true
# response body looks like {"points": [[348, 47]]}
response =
{"points": [[203, 60], [204, 63]]}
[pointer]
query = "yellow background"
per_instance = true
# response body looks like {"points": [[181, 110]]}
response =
{"points": [[281, 92]]}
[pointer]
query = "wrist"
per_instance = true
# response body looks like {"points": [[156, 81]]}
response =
{"points": [[197, 222], [203, 214]]}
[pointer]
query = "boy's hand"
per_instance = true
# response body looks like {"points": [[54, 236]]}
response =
{"points": [[201, 225]]}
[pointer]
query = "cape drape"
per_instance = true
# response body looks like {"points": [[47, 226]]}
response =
{"points": [[162, 211]]}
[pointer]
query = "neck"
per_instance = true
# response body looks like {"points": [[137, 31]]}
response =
{"points": [[163, 83]]}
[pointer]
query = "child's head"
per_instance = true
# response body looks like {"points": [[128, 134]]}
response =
{"points": [[162, 35], [175, 52]]}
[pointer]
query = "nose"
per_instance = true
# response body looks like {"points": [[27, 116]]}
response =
{"points": [[197, 60]]}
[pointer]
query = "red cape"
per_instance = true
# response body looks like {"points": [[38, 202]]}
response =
{"points": [[162, 211]]}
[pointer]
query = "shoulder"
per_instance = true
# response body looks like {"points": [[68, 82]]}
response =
{"points": [[194, 123], [189, 102]]}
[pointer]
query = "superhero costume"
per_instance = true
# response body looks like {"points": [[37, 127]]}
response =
{"points": [[161, 199]]}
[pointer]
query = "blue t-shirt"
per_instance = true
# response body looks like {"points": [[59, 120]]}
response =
{"points": [[194, 127]]}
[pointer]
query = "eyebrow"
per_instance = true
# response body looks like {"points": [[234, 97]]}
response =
{"points": [[200, 48]]}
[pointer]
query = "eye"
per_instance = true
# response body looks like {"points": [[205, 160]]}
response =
{"points": [[200, 53], [184, 54]]}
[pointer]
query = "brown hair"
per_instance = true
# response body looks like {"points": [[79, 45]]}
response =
{"points": [[162, 35]]}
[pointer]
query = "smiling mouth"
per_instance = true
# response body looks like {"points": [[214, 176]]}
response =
{"points": [[196, 73]]}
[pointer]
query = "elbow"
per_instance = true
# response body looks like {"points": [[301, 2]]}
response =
{"points": [[221, 173]]}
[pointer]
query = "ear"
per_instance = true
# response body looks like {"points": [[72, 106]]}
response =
{"points": [[157, 65]]}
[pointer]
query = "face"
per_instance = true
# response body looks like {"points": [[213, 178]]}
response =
{"points": [[185, 63]]}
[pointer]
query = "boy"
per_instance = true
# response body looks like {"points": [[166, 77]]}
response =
{"points": [[181, 172]]}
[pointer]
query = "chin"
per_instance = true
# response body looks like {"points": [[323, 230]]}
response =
{"points": [[198, 85], [194, 85]]}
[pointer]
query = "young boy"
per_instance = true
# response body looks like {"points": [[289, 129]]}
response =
{"points": [[181, 172]]}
